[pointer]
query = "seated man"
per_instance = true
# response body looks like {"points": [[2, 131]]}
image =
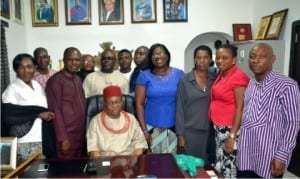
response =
{"points": [[114, 131]]}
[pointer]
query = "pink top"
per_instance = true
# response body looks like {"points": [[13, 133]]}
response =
{"points": [[43, 78], [222, 107]]}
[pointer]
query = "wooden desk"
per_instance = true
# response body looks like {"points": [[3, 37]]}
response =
{"points": [[159, 165]]}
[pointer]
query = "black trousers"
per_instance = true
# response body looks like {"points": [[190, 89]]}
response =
{"points": [[251, 174]]}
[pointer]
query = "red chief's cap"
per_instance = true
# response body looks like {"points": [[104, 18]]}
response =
{"points": [[111, 91]]}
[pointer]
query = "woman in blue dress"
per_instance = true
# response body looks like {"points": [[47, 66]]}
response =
{"points": [[155, 95]]}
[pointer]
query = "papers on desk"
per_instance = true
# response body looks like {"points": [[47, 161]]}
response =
{"points": [[211, 174]]}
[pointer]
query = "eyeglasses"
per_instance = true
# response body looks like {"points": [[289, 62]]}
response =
{"points": [[159, 55], [89, 62], [108, 58]]}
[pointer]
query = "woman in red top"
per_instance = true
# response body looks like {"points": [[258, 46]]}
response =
{"points": [[226, 108]]}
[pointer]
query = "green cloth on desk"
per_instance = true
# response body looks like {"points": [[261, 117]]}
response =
{"points": [[189, 163]]}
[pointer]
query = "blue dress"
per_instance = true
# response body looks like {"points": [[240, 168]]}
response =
{"points": [[160, 103]]}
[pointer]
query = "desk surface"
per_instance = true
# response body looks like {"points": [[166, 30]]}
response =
{"points": [[159, 165]]}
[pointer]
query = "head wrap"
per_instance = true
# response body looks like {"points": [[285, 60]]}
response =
{"points": [[111, 91]]}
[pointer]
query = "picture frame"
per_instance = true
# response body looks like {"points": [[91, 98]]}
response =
{"points": [[17, 11], [44, 14], [8, 150], [263, 27], [175, 10], [143, 11], [78, 12], [242, 32], [5, 8], [276, 24], [111, 13]]}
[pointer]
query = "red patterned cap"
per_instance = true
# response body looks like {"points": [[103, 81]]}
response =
{"points": [[111, 91]]}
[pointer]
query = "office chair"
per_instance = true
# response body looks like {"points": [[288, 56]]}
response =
{"points": [[95, 104]]}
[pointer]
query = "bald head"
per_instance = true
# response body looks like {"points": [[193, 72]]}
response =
{"points": [[261, 59], [265, 46]]}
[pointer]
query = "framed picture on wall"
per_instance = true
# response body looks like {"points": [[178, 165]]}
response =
{"points": [[44, 13], [111, 12], [18, 11], [78, 12], [263, 27], [175, 10], [242, 32], [5, 8], [276, 24], [8, 150], [143, 11]]}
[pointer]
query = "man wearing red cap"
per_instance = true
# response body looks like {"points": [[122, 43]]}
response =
{"points": [[114, 131]]}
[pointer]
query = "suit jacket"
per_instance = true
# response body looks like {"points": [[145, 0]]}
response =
{"points": [[45, 13], [114, 16]]}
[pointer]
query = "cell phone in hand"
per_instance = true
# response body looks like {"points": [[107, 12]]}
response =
{"points": [[43, 167]]}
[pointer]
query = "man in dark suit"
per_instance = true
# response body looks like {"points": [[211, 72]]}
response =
{"points": [[110, 13], [45, 12]]}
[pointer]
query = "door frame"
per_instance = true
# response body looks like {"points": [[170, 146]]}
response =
{"points": [[292, 52]]}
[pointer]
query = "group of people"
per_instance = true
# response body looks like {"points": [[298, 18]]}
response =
{"points": [[243, 127]]}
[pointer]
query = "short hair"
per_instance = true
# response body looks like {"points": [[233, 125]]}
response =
{"points": [[151, 51], [113, 1], [18, 58], [143, 47], [39, 49], [70, 49], [108, 50], [231, 47], [124, 51], [203, 47]]}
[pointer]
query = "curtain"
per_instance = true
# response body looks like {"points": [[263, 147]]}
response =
{"points": [[4, 59], [4, 77]]}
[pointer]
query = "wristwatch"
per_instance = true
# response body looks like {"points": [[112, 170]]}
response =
{"points": [[232, 135]]}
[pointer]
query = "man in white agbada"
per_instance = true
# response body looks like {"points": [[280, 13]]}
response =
{"points": [[114, 131]]}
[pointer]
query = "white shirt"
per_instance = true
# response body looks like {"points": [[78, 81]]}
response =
{"points": [[19, 93], [109, 144], [95, 82]]}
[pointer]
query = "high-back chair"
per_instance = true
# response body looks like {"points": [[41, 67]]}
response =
{"points": [[95, 104]]}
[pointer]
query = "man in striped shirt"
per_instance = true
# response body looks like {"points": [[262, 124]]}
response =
{"points": [[270, 121]]}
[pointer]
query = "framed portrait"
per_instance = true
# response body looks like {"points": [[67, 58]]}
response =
{"points": [[78, 12], [263, 27], [143, 11], [17, 11], [242, 32], [175, 10], [44, 13], [276, 24], [8, 150], [111, 12], [5, 8]]}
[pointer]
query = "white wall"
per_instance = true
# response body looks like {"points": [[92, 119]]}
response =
{"points": [[203, 16], [268, 7]]}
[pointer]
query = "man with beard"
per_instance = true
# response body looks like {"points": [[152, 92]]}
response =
{"points": [[65, 98], [95, 82]]}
